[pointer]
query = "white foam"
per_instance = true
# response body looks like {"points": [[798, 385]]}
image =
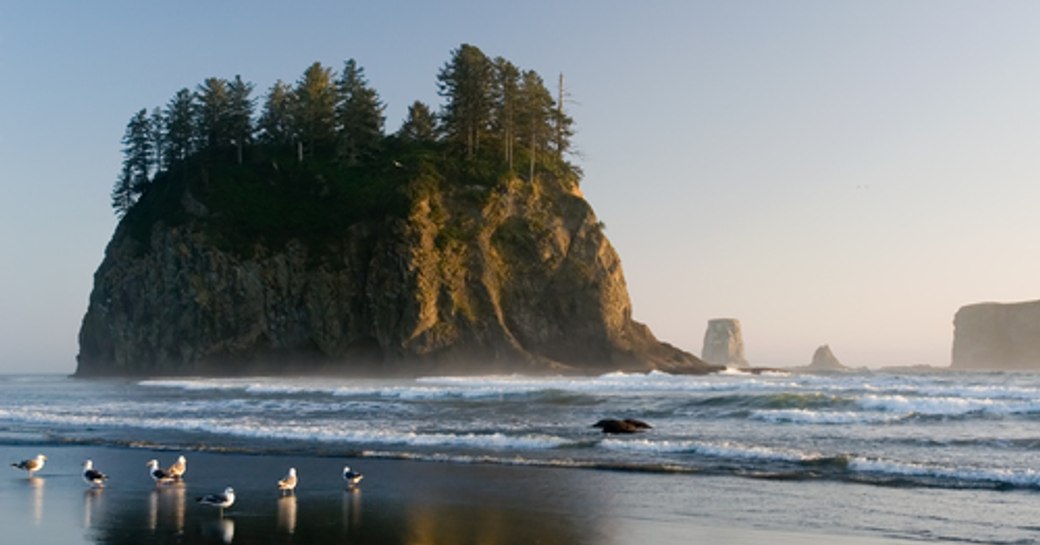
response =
{"points": [[1016, 477], [806, 416], [725, 449], [343, 432], [944, 406]]}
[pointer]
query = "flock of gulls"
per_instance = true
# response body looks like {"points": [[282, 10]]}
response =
{"points": [[285, 485], [175, 473]]}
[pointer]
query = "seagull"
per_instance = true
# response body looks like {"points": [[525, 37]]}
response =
{"points": [[352, 478], [220, 501], [31, 465], [159, 475], [288, 483], [176, 471], [92, 476]]}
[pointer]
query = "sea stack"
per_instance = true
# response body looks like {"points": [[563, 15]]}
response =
{"points": [[825, 360], [510, 276], [724, 343], [997, 336]]}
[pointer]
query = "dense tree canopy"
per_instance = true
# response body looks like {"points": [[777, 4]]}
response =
{"points": [[493, 112]]}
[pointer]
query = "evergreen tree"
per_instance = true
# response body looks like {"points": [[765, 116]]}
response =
{"points": [[314, 115], [123, 196], [420, 125], [213, 103], [360, 115], [276, 123], [240, 114], [535, 107], [158, 126], [506, 93], [466, 82], [562, 125], [138, 162], [180, 128]]}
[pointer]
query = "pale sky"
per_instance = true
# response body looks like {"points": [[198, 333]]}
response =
{"points": [[843, 173]]}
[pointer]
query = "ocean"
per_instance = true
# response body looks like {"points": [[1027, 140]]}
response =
{"points": [[934, 457]]}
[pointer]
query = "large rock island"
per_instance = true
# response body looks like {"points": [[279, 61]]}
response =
{"points": [[304, 239], [999, 336], [507, 276]]}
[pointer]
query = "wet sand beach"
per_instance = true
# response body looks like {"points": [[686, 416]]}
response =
{"points": [[398, 502]]}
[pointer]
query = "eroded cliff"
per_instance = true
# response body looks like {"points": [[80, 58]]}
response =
{"points": [[509, 276], [997, 336]]}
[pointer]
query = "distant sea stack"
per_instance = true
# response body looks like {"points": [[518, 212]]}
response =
{"points": [[825, 360], [512, 276], [724, 343], [997, 336]]}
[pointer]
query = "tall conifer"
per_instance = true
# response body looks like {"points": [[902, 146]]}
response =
{"points": [[360, 114], [465, 82]]}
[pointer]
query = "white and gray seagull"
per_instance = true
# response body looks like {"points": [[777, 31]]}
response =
{"points": [[159, 475], [352, 478], [220, 501], [92, 476]]}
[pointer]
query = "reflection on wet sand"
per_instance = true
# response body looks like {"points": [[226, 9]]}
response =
{"points": [[419, 504], [352, 508], [36, 485], [287, 514], [166, 508], [222, 529], [92, 503]]}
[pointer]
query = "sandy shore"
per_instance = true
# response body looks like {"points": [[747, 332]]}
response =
{"points": [[398, 502]]}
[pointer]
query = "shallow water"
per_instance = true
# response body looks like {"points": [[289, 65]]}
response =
{"points": [[895, 441]]}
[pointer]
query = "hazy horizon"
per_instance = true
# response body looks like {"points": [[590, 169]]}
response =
{"points": [[846, 174]]}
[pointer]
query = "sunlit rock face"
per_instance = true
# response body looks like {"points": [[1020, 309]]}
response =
{"points": [[998, 336], [724, 343], [514, 277], [824, 360]]}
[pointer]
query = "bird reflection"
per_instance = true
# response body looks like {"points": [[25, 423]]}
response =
{"points": [[352, 507], [91, 504], [222, 529], [166, 506], [287, 514], [36, 484]]}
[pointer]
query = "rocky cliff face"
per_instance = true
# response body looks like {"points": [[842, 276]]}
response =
{"points": [[997, 336], [724, 343], [513, 277]]}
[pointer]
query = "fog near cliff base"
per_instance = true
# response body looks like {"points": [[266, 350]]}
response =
{"points": [[829, 173]]}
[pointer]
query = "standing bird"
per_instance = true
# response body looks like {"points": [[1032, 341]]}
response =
{"points": [[220, 501], [288, 483], [176, 471], [31, 465], [352, 478], [92, 476], [159, 475]]}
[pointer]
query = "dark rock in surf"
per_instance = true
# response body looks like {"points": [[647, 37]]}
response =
{"points": [[628, 425]]}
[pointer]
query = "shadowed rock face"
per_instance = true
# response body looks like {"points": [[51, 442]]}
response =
{"points": [[997, 336], [514, 277]]}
